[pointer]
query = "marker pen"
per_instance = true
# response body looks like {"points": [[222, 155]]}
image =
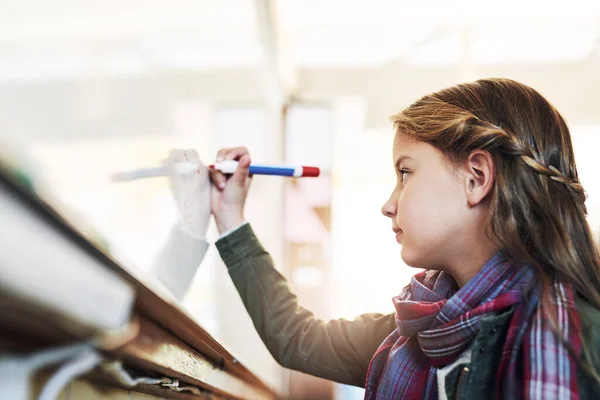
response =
{"points": [[227, 167]]}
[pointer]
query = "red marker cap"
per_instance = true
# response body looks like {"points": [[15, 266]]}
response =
{"points": [[311, 171]]}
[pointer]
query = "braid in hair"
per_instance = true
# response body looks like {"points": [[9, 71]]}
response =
{"points": [[512, 146]]}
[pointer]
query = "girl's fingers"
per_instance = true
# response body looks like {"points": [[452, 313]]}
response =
{"points": [[217, 178], [231, 153], [241, 173]]}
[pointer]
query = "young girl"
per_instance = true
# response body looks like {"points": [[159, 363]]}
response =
{"points": [[488, 202]]}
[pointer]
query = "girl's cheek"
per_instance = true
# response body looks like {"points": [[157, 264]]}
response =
{"points": [[403, 211], [416, 208]]}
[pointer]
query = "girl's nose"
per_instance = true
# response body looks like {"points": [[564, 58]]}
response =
{"points": [[389, 208]]}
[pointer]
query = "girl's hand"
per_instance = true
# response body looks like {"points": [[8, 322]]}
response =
{"points": [[230, 191]]}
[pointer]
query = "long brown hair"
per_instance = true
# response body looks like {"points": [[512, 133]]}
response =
{"points": [[537, 206]]}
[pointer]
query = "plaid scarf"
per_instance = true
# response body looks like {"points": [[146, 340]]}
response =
{"points": [[435, 325]]}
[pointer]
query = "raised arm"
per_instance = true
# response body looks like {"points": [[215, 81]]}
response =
{"points": [[339, 350]]}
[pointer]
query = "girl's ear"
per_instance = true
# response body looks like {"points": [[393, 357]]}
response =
{"points": [[480, 174]]}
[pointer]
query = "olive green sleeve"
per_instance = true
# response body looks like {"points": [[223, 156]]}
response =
{"points": [[339, 350]]}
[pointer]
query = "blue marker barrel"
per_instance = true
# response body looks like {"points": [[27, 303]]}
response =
{"points": [[267, 170]]}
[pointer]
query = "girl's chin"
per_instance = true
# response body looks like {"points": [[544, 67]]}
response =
{"points": [[409, 257]]}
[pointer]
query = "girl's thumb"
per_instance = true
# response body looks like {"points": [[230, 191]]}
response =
{"points": [[241, 173]]}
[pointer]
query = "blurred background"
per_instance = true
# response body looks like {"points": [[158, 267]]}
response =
{"points": [[95, 87]]}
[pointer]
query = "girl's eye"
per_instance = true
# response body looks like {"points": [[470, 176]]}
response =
{"points": [[403, 175]]}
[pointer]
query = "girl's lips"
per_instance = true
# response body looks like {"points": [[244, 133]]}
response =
{"points": [[399, 236]]}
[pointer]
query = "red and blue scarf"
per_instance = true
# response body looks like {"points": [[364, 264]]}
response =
{"points": [[437, 322]]}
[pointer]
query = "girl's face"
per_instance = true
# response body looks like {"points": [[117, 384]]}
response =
{"points": [[429, 208]]}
